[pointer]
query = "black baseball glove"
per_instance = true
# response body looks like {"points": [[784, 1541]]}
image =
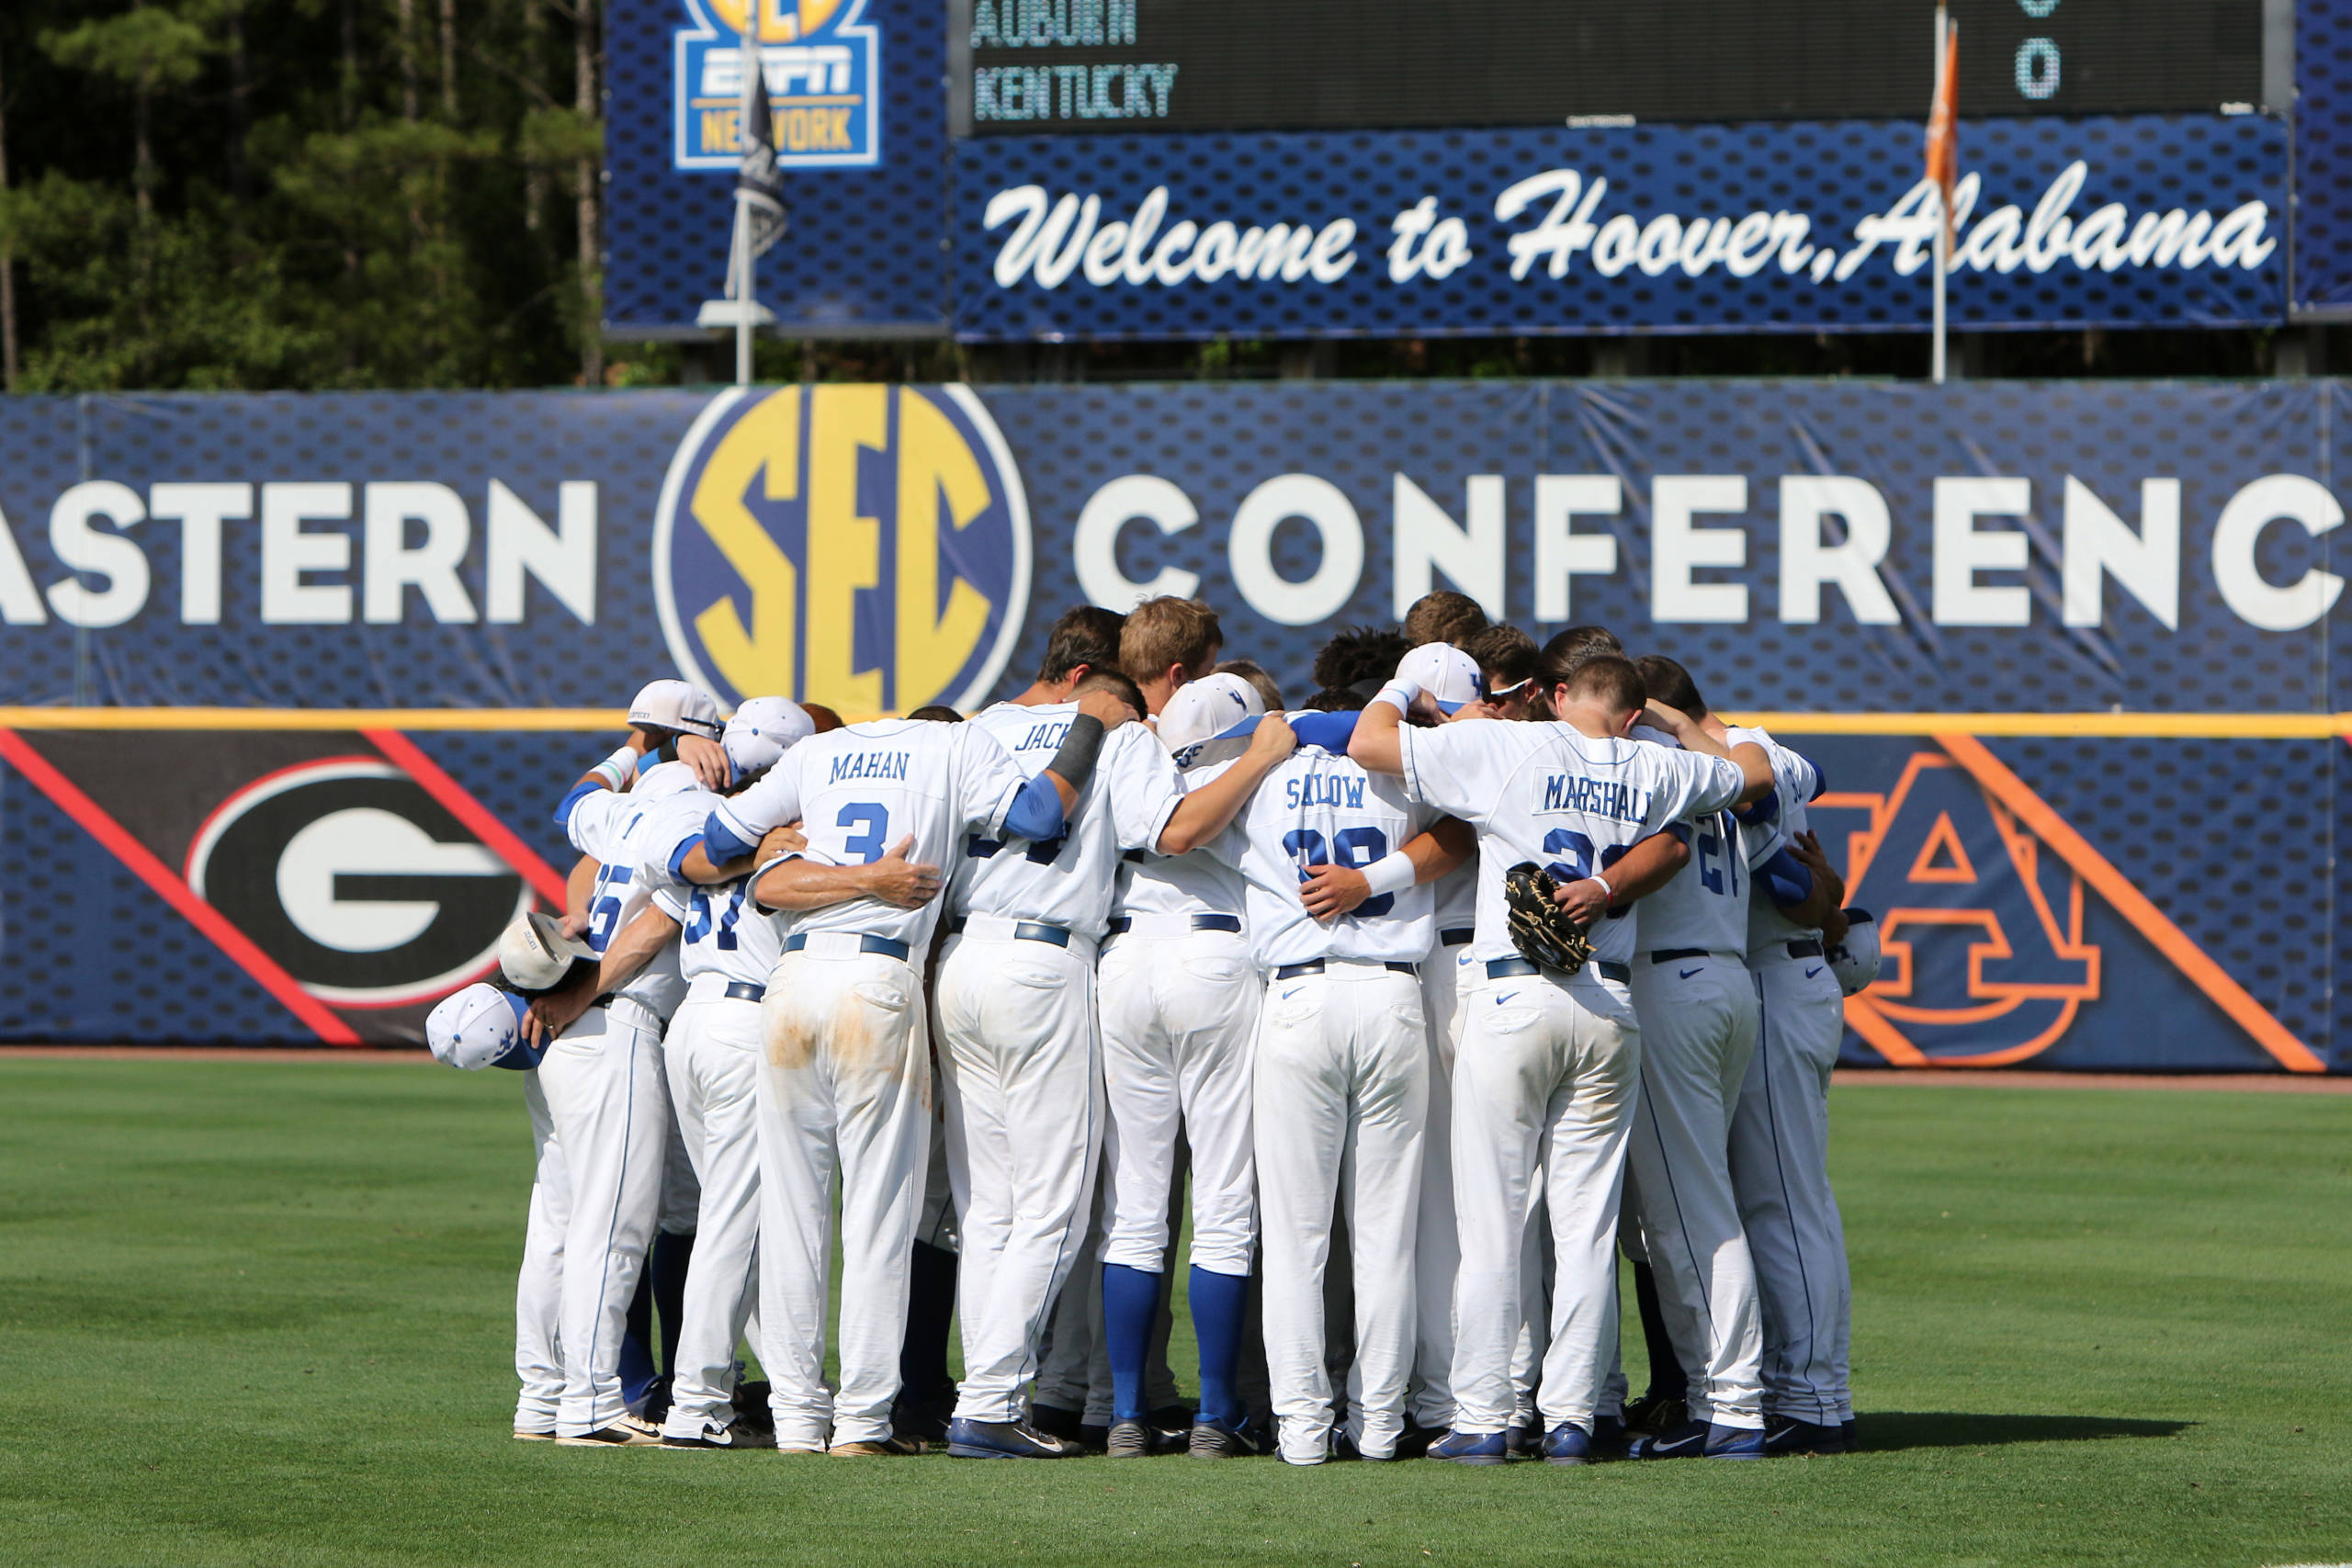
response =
{"points": [[1540, 929]]}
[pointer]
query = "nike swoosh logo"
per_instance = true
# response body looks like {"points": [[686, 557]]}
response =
{"points": [[1811, 971], [1292, 992], [1504, 997], [1686, 973]]}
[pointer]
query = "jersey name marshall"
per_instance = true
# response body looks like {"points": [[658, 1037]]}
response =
{"points": [[1595, 797], [868, 765]]}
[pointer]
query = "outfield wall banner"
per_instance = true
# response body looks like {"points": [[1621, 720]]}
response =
{"points": [[288, 684]]}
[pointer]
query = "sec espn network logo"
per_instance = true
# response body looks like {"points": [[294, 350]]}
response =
{"points": [[823, 67], [356, 882], [866, 547]]}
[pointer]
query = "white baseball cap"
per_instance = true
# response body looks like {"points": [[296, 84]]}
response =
{"points": [[1856, 958], [477, 1027], [1449, 675], [761, 731], [675, 704], [1215, 709], [533, 953]]}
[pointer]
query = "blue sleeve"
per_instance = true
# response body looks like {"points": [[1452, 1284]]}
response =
{"points": [[580, 792], [1787, 880], [719, 841], [1332, 731], [678, 857], [1037, 813]]}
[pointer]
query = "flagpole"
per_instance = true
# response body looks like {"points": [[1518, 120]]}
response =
{"points": [[1943, 219], [741, 263]]}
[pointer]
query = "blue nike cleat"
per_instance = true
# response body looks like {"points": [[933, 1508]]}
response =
{"points": [[1786, 1435], [1696, 1439], [1005, 1440], [1471, 1447], [1567, 1443]]}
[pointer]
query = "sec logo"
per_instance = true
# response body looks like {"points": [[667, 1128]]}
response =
{"points": [[866, 547], [360, 884]]}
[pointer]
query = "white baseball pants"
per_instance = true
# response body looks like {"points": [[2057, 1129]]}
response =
{"points": [[1023, 1089], [538, 1288], [843, 1089], [1178, 1016], [1699, 1018], [1544, 1082], [1437, 1254], [1342, 1091], [1779, 1169], [713, 1050], [610, 1110]]}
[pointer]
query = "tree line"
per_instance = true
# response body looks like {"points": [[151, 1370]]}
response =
{"points": [[250, 194]]}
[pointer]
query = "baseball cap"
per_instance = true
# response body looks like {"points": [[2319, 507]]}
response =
{"points": [[1856, 958], [762, 730], [1215, 709], [533, 953], [480, 1026], [675, 704], [1449, 675]]}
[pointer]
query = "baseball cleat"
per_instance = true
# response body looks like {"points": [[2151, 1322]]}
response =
{"points": [[1174, 1425], [876, 1448], [1696, 1439], [1653, 1416], [1210, 1440], [625, 1432], [523, 1434], [1129, 1440], [926, 1419], [1784, 1435], [1056, 1422], [1567, 1443], [1608, 1436], [1471, 1448], [1523, 1440], [1005, 1440], [736, 1435], [1414, 1441]]}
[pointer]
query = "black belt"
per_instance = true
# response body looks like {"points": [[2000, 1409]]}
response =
{"points": [[743, 992], [1315, 966], [1806, 947], [1677, 955], [1123, 924], [604, 1001], [1504, 968], [886, 946], [1027, 930], [1455, 936]]}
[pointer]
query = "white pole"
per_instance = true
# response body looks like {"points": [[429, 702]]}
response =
{"points": [[1943, 219]]}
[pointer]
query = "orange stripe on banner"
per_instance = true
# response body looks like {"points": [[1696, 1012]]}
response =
{"points": [[117, 841], [477, 818], [2131, 903]]}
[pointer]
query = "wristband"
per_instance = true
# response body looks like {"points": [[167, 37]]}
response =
{"points": [[1074, 761], [1398, 694], [619, 769], [1612, 892], [1392, 872]]}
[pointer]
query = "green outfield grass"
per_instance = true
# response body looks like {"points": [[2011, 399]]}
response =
{"points": [[261, 1313]]}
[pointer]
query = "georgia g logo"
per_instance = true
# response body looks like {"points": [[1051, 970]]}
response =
{"points": [[862, 547]]}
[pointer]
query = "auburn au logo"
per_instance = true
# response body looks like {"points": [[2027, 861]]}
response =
{"points": [[1984, 957], [866, 547]]}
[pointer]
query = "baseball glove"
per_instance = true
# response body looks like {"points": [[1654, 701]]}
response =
{"points": [[1540, 929]]}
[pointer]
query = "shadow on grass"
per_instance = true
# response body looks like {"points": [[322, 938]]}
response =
{"points": [[1944, 1430]]}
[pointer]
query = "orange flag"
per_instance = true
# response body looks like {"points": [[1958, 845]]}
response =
{"points": [[1943, 123]]}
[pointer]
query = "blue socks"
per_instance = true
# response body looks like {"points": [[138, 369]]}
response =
{"points": [[1219, 1304], [1130, 1300]]}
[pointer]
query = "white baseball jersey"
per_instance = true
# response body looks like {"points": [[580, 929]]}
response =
{"points": [[1318, 809], [1067, 881], [1195, 884], [1457, 898], [1704, 905], [614, 830], [1772, 822], [858, 790], [721, 931], [1541, 792]]}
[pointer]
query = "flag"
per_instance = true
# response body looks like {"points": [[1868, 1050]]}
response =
{"points": [[759, 184], [1943, 122]]}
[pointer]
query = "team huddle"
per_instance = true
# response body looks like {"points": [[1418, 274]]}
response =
{"points": [[1430, 997]]}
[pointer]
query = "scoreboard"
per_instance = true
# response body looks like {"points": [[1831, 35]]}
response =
{"points": [[1080, 66]]}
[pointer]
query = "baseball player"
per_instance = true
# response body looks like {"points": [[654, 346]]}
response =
{"points": [[1544, 1069], [1166, 641], [1020, 1055], [846, 1078], [1340, 1080], [1779, 1141], [1442, 615], [482, 1026], [728, 947]]}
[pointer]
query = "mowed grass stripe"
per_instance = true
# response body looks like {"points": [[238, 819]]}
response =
{"points": [[261, 1313]]}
